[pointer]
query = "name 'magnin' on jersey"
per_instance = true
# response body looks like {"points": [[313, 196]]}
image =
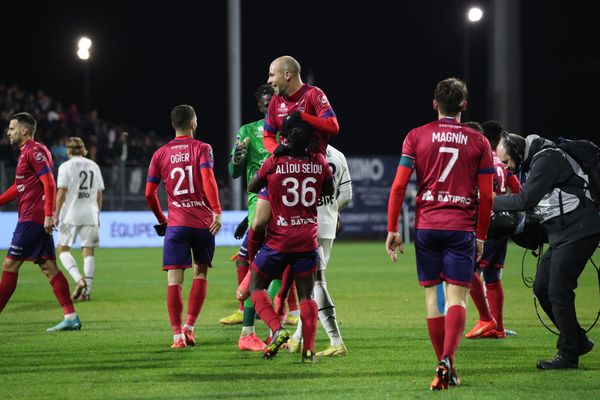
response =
{"points": [[448, 157]]}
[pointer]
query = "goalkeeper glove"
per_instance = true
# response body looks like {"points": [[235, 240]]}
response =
{"points": [[241, 229], [160, 229], [241, 149]]}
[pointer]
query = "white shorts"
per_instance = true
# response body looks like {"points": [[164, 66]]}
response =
{"points": [[88, 235], [324, 253]]}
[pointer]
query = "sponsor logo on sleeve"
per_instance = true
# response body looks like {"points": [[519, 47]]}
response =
{"points": [[39, 157]]}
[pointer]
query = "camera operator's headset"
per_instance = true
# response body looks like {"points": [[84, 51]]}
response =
{"points": [[512, 149]]}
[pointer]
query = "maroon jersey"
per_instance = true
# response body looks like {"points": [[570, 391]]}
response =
{"points": [[34, 161], [501, 176], [309, 99], [178, 164], [294, 186], [448, 157]]}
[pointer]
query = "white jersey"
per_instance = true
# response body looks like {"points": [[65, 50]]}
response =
{"points": [[82, 179], [327, 211]]}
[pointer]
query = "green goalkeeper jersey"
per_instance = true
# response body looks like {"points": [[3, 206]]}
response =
{"points": [[255, 157]]}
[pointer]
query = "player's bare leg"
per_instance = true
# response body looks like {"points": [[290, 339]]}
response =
{"points": [[175, 306], [70, 265]]}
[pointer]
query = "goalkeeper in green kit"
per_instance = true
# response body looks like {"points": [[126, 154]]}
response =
{"points": [[247, 156]]}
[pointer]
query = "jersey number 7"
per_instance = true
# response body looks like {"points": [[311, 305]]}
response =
{"points": [[454, 152]]}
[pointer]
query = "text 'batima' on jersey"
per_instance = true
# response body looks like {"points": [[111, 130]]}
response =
{"points": [[178, 164], [294, 186], [308, 99], [34, 161], [82, 179], [448, 157]]}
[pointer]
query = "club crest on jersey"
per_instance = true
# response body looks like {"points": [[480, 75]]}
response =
{"points": [[20, 188], [323, 99], [283, 111], [39, 157]]}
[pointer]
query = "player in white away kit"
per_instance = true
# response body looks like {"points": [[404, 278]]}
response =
{"points": [[327, 216], [78, 204]]}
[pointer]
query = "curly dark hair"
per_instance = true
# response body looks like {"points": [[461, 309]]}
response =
{"points": [[301, 141]]}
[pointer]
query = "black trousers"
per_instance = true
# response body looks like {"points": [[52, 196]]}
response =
{"points": [[555, 282]]}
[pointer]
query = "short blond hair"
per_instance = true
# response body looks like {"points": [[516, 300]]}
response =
{"points": [[76, 147]]}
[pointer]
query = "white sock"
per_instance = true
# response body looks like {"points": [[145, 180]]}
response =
{"points": [[247, 330], [88, 270], [297, 336], [189, 327], [71, 316], [295, 313], [175, 337], [70, 265]]}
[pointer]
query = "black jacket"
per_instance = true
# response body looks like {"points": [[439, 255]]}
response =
{"points": [[550, 173]]}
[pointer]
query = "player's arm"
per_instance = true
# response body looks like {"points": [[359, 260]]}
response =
{"points": [[513, 183], [328, 188], [99, 201], [49, 184], [396, 199], [9, 195], [237, 159], [328, 123], [270, 129], [485, 181], [60, 200], [212, 194], [345, 187], [152, 199], [325, 119], [257, 183]]}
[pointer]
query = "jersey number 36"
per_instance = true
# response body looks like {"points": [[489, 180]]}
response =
{"points": [[307, 194]]}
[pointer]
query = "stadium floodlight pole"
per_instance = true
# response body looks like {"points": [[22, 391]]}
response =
{"points": [[474, 15], [235, 91], [84, 46]]}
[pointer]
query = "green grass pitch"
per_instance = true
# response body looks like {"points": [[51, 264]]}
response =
{"points": [[123, 349]]}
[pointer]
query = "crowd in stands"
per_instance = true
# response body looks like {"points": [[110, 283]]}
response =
{"points": [[56, 122]]}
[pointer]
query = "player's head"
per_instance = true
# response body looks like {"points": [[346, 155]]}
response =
{"points": [[21, 128], [474, 125], [284, 75], [183, 119], [263, 97], [76, 147], [301, 140], [511, 150], [450, 97], [493, 132]]}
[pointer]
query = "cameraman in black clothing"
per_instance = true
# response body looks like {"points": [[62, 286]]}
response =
{"points": [[557, 196]]}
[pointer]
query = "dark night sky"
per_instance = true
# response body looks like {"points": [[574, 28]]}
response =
{"points": [[378, 61]]}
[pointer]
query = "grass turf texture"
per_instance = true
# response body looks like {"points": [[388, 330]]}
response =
{"points": [[123, 349]]}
